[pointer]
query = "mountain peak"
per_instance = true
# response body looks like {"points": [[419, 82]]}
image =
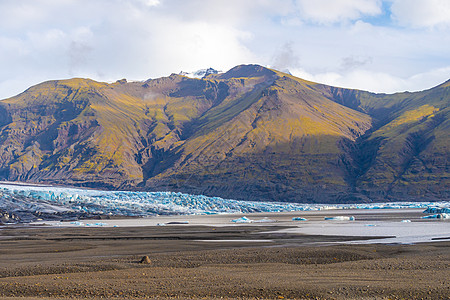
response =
{"points": [[247, 71]]}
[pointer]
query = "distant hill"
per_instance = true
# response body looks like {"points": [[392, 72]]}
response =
{"points": [[251, 133]]}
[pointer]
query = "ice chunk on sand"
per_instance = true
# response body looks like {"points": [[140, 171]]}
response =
{"points": [[437, 216], [100, 224], [340, 218], [77, 223], [243, 219]]}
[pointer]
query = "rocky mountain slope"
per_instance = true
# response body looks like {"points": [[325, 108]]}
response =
{"points": [[251, 133]]}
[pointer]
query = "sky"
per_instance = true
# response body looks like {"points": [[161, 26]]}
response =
{"points": [[379, 46]]}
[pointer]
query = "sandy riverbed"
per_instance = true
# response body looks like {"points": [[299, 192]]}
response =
{"points": [[259, 260]]}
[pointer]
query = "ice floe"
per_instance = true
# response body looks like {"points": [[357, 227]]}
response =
{"points": [[340, 218], [99, 224], [243, 219]]}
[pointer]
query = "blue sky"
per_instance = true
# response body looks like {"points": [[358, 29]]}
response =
{"points": [[380, 46]]}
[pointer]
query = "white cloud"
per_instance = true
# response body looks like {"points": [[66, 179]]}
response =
{"points": [[285, 58], [371, 81], [331, 11], [353, 62], [195, 45], [150, 2], [428, 79], [229, 12], [378, 81], [112, 39], [421, 13], [138, 39]]}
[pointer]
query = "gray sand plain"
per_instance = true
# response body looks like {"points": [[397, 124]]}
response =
{"points": [[212, 257]]}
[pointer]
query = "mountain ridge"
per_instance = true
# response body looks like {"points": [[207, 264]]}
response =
{"points": [[250, 133]]}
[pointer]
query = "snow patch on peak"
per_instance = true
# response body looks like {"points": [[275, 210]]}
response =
{"points": [[200, 73]]}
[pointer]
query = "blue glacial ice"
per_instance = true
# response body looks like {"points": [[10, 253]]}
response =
{"points": [[243, 219], [99, 224], [340, 218], [16, 197], [437, 210], [49, 199], [442, 216]]}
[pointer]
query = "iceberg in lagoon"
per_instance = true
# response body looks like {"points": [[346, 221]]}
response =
{"points": [[243, 219], [100, 224], [340, 218], [299, 219], [437, 216]]}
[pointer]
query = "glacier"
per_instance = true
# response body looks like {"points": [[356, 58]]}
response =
{"points": [[32, 201]]}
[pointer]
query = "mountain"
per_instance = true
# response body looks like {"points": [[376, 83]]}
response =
{"points": [[251, 133]]}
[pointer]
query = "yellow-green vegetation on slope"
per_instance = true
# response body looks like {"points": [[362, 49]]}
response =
{"points": [[280, 135], [412, 156], [94, 133], [250, 133], [406, 154], [406, 119]]}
